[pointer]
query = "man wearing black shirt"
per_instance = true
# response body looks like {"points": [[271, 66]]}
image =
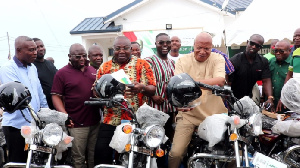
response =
{"points": [[46, 70], [250, 67]]}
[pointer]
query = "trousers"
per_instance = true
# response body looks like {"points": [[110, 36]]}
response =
{"points": [[182, 137], [84, 142], [15, 143]]}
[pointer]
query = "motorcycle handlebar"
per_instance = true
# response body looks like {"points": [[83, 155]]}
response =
{"points": [[216, 89], [96, 103], [205, 86]]}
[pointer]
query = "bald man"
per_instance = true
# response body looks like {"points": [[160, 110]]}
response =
{"points": [[206, 67], [175, 47], [51, 59], [251, 67], [271, 54], [95, 55], [71, 88], [22, 69], [279, 68]]}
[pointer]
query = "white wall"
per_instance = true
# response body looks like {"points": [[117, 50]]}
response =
{"points": [[155, 14], [182, 14]]}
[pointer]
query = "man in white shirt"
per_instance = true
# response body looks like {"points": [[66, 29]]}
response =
{"points": [[175, 46]]}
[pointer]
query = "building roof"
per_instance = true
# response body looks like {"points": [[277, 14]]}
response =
{"points": [[105, 24], [233, 6], [123, 9], [95, 25]]}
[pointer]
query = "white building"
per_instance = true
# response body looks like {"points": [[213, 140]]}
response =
{"points": [[144, 19]]}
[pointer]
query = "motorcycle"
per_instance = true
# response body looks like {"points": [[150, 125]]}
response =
{"points": [[44, 138], [219, 137], [138, 141], [281, 140], [243, 123]]}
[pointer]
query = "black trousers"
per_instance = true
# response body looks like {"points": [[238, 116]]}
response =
{"points": [[15, 144], [103, 152]]}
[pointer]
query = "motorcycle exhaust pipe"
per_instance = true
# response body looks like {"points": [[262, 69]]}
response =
{"points": [[210, 156]]}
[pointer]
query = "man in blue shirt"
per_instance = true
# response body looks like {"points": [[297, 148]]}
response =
{"points": [[21, 69]]}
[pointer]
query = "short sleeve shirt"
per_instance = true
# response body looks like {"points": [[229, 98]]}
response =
{"points": [[138, 70], [213, 67], [246, 75], [279, 72], [75, 87], [295, 63]]}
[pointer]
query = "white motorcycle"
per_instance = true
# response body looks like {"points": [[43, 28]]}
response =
{"points": [[45, 139], [138, 140]]}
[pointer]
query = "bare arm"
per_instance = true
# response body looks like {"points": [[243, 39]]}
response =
{"points": [[288, 76], [267, 87], [214, 81], [149, 90], [58, 103]]}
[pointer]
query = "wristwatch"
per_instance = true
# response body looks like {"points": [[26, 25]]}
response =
{"points": [[271, 97]]}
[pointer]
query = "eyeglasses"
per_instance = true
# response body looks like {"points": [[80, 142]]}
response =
{"points": [[256, 45], [79, 56], [127, 48], [279, 50], [164, 42]]}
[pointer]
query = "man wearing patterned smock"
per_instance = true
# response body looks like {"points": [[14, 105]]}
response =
{"points": [[140, 73]]}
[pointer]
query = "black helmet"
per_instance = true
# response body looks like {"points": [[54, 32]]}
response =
{"points": [[108, 87], [14, 96], [182, 90]]}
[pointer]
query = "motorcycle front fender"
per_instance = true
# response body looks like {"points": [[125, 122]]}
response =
{"points": [[13, 164], [108, 166]]}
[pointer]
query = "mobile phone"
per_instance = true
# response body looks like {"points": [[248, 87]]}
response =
{"points": [[130, 85]]}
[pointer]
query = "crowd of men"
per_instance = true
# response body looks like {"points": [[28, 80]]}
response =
{"points": [[66, 89]]}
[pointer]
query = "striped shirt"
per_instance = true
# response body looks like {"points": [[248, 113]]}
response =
{"points": [[229, 69], [163, 70]]}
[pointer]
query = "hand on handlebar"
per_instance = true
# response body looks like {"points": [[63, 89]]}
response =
{"points": [[280, 106], [69, 123], [269, 105]]}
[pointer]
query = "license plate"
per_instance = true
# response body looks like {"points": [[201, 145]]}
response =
{"points": [[142, 150], [41, 148], [263, 161]]}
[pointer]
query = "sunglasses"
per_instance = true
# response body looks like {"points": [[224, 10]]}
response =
{"points": [[79, 56], [256, 45], [279, 50], [164, 42]]}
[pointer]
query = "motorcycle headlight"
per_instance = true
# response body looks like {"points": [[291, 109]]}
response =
{"points": [[255, 124], [52, 134], [154, 135]]}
